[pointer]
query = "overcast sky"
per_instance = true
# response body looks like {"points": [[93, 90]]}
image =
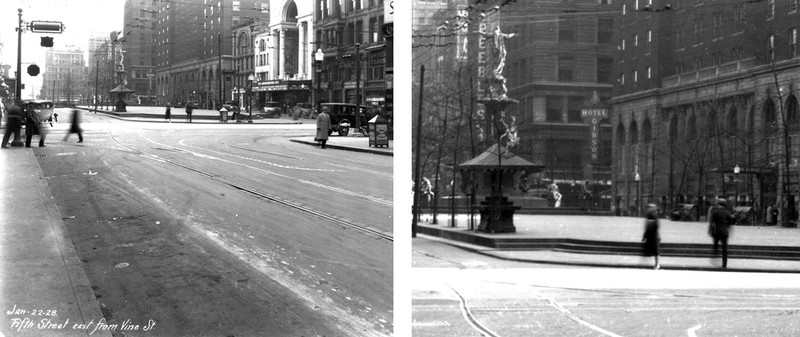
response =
{"points": [[80, 17]]}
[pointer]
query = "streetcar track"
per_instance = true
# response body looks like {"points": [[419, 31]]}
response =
{"points": [[471, 320], [265, 196]]}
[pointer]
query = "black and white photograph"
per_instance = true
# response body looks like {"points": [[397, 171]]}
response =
{"points": [[605, 168], [197, 168]]}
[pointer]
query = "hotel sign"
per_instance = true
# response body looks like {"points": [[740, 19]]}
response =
{"points": [[593, 116]]}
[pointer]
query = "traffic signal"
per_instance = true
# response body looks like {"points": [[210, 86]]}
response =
{"points": [[47, 41], [33, 70]]}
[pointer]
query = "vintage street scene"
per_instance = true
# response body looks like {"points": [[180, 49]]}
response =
{"points": [[605, 168], [196, 168]]}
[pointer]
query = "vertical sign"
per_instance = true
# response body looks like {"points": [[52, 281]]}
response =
{"points": [[594, 116]]}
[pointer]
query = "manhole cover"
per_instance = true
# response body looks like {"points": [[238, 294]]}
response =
{"points": [[122, 265]]}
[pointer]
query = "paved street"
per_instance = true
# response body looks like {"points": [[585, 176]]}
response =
{"points": [[459, 293], [226, 230]]}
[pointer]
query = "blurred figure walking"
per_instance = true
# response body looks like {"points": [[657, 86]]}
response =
{"points": [[168, 115], [651, 240], [13, 125], [719, 229], [75, 126]]}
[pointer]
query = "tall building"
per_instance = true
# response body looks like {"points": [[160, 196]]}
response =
{"points": [[139, 46], [350, 36], [559, 67], [706, 104], [193, 47], [64, 78]]}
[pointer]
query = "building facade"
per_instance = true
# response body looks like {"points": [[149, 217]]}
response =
{"points": [[194, 41], [139, 48], [350, 36], [64, 78], [559, 68], [713, 111]]}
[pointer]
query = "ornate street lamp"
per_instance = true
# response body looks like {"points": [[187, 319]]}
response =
{"points": [[638, 179], [252, 79], [736, 171], [318, 57]]}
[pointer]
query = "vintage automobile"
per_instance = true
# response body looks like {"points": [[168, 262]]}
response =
{"points": [[343, 117], [683, 212], [271, 110], [44, 108]]}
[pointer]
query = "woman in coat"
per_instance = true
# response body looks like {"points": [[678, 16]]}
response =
{"points": [[323, 126], [651, 240]]}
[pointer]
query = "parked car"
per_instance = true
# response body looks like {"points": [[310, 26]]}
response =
{"points": [[343, 117], [683, 212], [271, 109], [43, 108]]}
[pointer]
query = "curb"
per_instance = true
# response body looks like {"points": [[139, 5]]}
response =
{"points": [[88, 304], [569, 245], [343, 147], [486, 252]]}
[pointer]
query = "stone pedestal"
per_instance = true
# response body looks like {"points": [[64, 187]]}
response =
{"points": [[497, 215]]}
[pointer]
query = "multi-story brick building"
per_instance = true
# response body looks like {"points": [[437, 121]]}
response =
{"points": [[193, 47], [345, 29], [558, 65], [705, 88], [64, 78]]}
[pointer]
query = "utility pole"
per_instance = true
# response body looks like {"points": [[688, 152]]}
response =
{"points": [[219, 68], [358, 89], [18, 89], [415, 207], [96, 80]]}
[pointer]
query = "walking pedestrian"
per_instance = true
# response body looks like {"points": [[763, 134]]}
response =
{"points": [[168, 115], [75, 126], [13, 125], [189, 109], [33, 126], [323, 127], [651, 240], [719, 229]]}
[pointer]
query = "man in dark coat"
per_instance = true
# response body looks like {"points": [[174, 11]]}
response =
{"points": [[651, 240], [33, 126], [14, 124], [168, 116], [189, 109], [719, 228]]}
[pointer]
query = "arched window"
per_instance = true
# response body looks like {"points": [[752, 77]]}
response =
{"points": [[620, 134], [732, 124], [711, 124], [769, 113], [634, 133], [648, 131], [673, 129], [791, 109]]}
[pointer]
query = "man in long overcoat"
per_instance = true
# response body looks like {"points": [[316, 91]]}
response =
{"points": [[323, 126]]}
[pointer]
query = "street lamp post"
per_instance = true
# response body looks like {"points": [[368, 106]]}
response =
{"points": [[251, 79], [318, 57], [638, 179], [736, 171], [358, 88]]}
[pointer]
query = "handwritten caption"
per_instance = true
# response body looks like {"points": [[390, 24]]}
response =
{"points": [[43, 319]]}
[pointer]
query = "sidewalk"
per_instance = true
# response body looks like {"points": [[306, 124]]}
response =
{"points": [[44, 290], [615, 242]]}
